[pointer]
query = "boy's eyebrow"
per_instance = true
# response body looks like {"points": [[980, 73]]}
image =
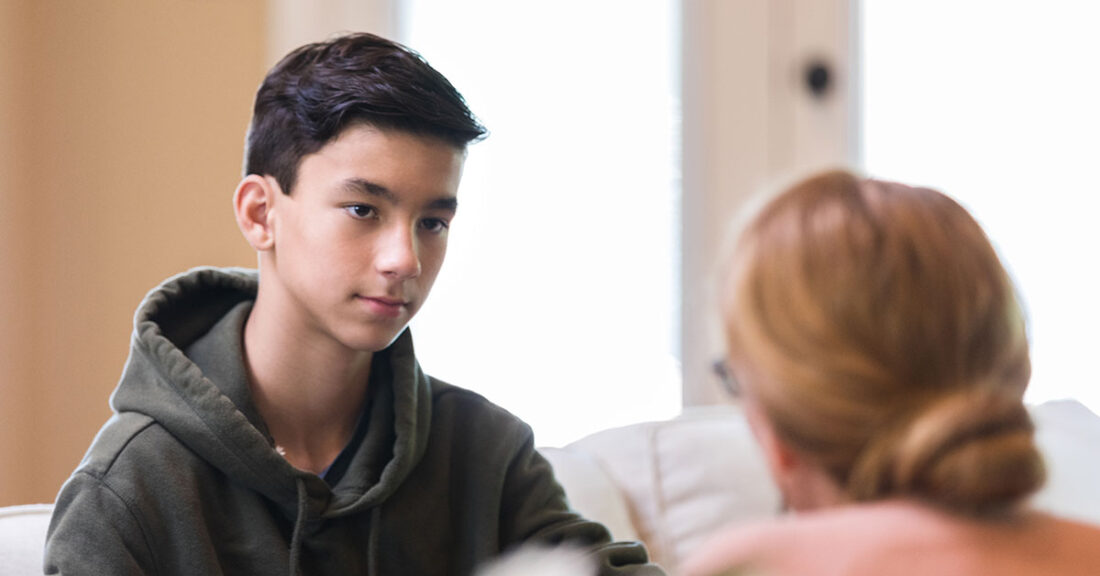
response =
{"points": [[362, 186]]}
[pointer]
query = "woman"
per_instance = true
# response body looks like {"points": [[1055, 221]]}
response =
{"points": [[882, 358]]}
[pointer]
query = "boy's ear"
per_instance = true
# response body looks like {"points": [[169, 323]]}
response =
{"points": [[252, 203]]}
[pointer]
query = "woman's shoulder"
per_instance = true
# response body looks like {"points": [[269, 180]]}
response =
{"points": [[899, 538], [1074, 543], [790, 544]]}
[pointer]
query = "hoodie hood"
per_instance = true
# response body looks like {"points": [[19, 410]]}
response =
{"points": [[186, 371]]}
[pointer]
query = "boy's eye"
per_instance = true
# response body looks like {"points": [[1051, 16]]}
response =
{"points": [[360, 211], [434, 224]]}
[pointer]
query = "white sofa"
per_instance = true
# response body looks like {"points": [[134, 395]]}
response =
{"points": [[670, 483], [22, 535]]}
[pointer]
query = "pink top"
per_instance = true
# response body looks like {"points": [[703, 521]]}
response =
{"points": [[899, 538]]}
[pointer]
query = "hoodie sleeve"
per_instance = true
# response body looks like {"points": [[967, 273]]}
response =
{"points": [[93, 532], [535, 510]]}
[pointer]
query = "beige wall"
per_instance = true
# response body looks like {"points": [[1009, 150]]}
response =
{"points": [[121, 131], [16, 398]]}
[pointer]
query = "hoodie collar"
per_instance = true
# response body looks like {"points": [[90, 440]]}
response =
{"points": [[207, 406]]}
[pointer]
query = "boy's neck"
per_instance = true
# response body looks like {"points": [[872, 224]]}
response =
{"points": [[310, 396]]}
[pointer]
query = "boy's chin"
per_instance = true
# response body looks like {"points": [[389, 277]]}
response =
{"points": [[372, 342]]}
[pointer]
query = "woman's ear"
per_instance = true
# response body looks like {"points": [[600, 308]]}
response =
{"points": [[781, 458], [804, 484], [252, 203]]}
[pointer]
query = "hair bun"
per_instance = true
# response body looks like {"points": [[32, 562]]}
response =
{"points": [[971, 450]]}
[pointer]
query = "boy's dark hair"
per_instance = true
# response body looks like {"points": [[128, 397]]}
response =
{"points": [[318, 90]]}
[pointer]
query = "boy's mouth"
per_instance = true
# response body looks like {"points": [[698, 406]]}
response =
{"points": [[385, 306]]}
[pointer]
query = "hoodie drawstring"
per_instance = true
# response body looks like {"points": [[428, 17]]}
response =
{"points": [[299, 525]]}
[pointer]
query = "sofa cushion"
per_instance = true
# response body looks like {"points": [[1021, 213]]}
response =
{"points": [[1068, 433], [683, 478], [22, 538], [591, 491]]}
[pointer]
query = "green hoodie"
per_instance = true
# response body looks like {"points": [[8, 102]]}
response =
{"points": [[184, 479]]}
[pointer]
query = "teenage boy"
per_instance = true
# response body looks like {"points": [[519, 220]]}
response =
{"points": [[277, 422]]}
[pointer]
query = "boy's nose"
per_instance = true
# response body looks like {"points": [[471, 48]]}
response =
{"points": [[398, 254]]}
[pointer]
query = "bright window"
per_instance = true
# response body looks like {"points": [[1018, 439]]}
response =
{"points": [[996, 104], [559, 298]]}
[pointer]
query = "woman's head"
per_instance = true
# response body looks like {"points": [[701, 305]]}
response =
{"points": [[875, 329]]}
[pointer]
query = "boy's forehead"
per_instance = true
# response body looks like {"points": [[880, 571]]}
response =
{"points": [[386, 164], [383, 140], [395, 132]]}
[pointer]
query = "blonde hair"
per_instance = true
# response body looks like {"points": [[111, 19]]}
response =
{"points": [[877, 329]]}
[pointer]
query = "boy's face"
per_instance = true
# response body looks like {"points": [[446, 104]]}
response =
{"points": [[359, 241]]}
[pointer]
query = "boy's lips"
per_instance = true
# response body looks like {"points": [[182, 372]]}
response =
{"points": [[384, 305], [388, 301]]}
